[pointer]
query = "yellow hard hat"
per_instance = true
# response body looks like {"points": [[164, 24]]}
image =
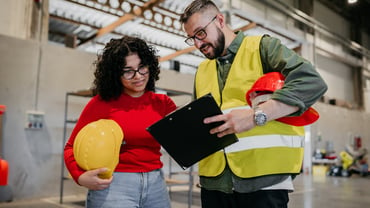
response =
{"points": [[97, 145]]}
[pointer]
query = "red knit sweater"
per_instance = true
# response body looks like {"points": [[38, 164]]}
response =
{"points": [[140, 152]]}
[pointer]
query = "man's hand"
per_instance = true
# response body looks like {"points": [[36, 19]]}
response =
{"points": [[91, 180], [239, 120], [236, 121]]}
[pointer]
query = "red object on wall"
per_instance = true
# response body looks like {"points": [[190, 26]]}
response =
{"points": [[4, 170], [2, 109], [358, 142]]}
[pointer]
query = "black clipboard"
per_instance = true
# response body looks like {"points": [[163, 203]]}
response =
{"points": [[185, 137]]}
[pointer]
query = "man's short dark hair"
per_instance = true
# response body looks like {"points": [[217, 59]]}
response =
{"points": [[196, 6]]}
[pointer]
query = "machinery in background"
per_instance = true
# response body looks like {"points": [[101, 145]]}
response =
{"points": [[354, 160]]}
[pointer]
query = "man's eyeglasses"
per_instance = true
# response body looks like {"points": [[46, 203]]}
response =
{"points": [[129, 74], [200, 34]]}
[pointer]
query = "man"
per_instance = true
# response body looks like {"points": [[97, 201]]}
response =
{"points": [[258, 170]]}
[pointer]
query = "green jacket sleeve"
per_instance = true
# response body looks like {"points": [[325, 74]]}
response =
{"points": [[303, 84]]}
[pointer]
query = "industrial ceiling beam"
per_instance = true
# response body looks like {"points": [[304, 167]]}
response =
{"points": [[136, 13], [192, 48], [127, 17], [148, 10], [177, 53]]}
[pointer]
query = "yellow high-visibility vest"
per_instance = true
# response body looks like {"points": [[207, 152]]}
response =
{"points": [[275, 148]]}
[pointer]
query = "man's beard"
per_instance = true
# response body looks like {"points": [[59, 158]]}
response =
{"points": [[218, 47]]}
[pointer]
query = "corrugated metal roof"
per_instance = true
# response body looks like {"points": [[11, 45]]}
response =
{"points": [[89, 24]]}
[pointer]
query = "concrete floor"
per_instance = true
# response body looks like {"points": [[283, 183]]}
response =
{"points": [[311, 192]]}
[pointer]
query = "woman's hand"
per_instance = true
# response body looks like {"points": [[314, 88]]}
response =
{"points": [[91, 180]]}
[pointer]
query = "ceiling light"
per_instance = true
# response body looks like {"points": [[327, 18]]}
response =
{"points": [[167, 21], [352, 1], [114, 3], [126, 7], [148, 14], [158, 17]]}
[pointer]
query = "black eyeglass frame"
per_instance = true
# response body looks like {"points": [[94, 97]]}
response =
{"points": [[190, 40], [138, 70]]}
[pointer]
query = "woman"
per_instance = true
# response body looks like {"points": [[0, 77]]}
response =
{"points": [[124, 86]]}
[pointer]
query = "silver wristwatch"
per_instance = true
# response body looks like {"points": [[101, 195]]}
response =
{"points": [[260, 118]]}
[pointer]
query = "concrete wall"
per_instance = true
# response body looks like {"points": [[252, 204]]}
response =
{"points": [[340, 125], [15, 18], [30, 83], [36, 77]]}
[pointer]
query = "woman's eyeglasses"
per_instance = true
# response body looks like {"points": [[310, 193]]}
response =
{"points": [[199, 35], [129, 74]]}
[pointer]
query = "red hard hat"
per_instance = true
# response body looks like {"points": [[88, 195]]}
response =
{"points": [[267, 84]]}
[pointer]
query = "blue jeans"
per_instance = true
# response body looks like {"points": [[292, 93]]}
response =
{"points": [[132, 190]]}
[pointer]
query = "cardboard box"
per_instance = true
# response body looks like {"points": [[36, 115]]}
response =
{"points": [[319, 170]]}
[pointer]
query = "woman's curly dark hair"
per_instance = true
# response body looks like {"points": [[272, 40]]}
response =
{"points": [[110, 63]]}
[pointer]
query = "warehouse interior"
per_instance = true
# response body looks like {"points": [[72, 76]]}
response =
{"points": [[47, 52]]}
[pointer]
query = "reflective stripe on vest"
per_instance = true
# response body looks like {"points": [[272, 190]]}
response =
{"points": [[259, 152], [265, 141]]}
